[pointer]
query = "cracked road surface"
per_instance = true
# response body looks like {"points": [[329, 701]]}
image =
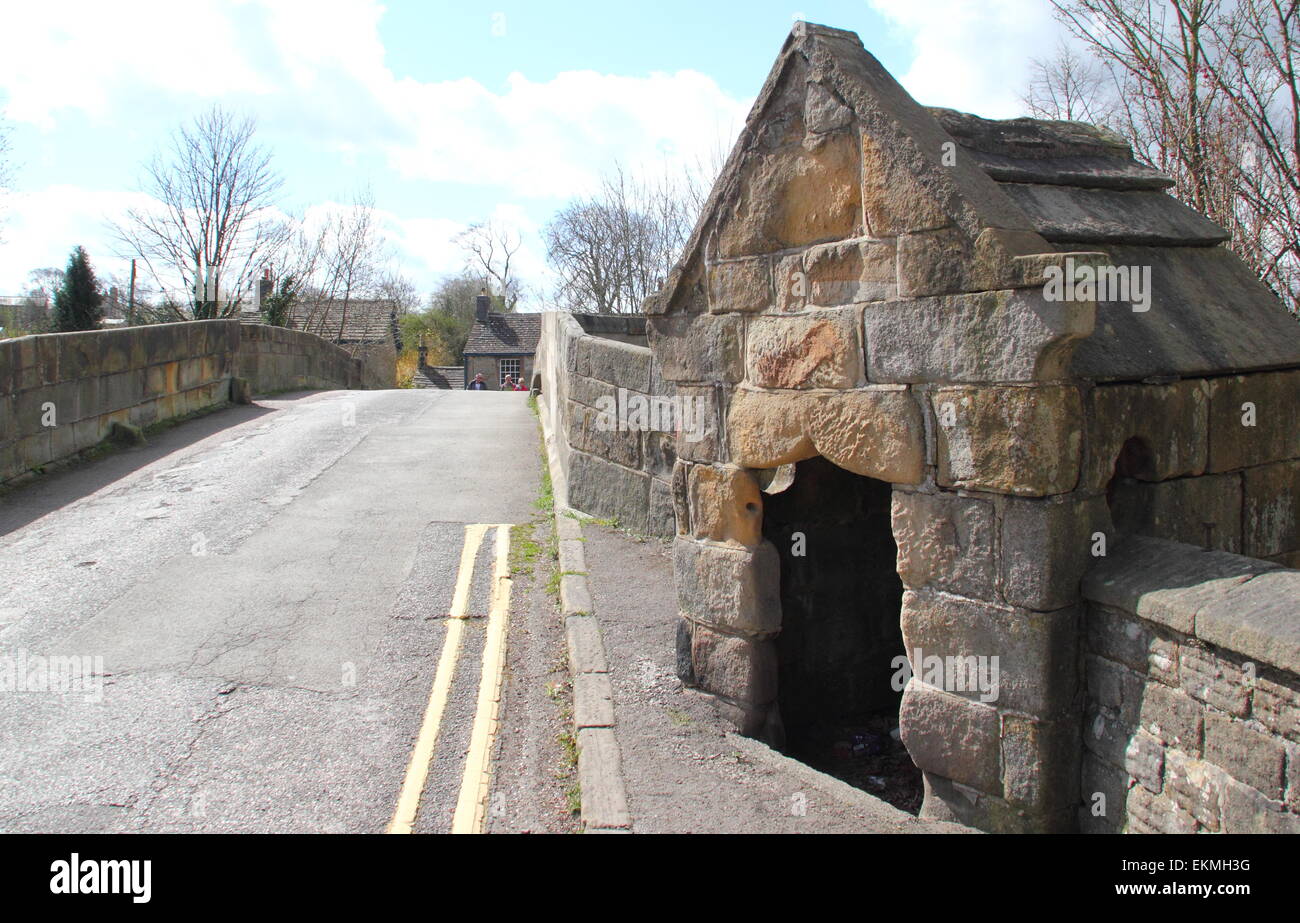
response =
{"points": [[266, 587]]}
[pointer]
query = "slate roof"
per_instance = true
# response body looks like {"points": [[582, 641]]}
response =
{"points": [[1076, 186], [365, 321], [441, 377], [505, 335]]}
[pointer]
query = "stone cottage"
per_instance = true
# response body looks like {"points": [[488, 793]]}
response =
{"points": [[954, 363], [500, 345]]}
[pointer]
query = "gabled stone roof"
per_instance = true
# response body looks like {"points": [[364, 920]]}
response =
{"points": [[504, 335], [363, 320], [1016, 189]]}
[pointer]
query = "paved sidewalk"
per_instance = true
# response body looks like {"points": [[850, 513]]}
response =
{"points": [[684, 771]]}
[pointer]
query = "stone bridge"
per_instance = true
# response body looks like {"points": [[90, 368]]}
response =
{"points": [[983, 395]]}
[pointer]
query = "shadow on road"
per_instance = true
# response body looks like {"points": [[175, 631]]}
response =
{"points": [[28, 502]]}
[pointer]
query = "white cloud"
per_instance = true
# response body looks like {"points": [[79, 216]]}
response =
{"points": [[316, 71], [973, 56]]}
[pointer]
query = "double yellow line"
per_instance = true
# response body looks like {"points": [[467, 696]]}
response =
{"points": [[475, 785]]}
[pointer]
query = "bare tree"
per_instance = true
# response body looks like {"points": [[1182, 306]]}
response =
{"points": [[489, 249], [615, 248], [1069, 87], [6, 173], [1206, 91], [214, 228], [351, 256]]}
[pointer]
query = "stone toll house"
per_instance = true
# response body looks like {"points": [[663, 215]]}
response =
{"points": [[922, 444]]}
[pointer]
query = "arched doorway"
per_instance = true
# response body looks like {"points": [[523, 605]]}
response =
{"points": [[839, 681]]}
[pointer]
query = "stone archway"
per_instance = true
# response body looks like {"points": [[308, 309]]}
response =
{"points": [[841, 665]]}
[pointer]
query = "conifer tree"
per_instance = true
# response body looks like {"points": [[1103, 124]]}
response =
{"points": [[78, 302]]}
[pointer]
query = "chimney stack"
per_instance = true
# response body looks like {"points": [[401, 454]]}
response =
{"points": [[482, 304]]}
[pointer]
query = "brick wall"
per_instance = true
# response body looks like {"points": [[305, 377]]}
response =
{"points": [[1192, 693]]}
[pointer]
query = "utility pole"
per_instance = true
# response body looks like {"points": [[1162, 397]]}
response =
{"points": [[130, 298]]}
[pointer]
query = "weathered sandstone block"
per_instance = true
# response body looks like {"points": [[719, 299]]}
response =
{"points": [[1252, 420], [819, 349], [1009, 440], [1170, 419], [1012, 335], [945, 542], [952, 737], [737, 590], [726, 505]]}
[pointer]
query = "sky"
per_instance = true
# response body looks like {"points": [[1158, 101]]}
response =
{"points": [[451, 113]]}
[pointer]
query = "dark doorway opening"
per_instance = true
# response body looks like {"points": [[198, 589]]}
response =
{"points": [[841, 599], [1127, 493]]}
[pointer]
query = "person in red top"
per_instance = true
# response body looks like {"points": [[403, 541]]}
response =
{"points": [[519, 384]]}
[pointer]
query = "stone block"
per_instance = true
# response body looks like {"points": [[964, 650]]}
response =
{"points": [[605, 490], [1148, 813], [846, 272], [1046, 547], [601, 433], [1040, 763], [1011, 440], [1246, 810], [1035, 651], [767, 429], [1271, 517], [1171, 420], [817, 349], [701, 438], [934, 262], [1106, 734], [698, 347], [620, 364], [593, 701], [986, 337], [1213, 680], [1103, 789], [661, 518], [1196, 787], [1246, 752], [875, 432], [1204, 511], [740, 286], [793, 196], [1257, 619], [726, 505], [1171, 717], [951, 736], [1252, 420], [1166, 582], [945, 542], [733, 589], [743, 670], [1114, 686], [1144, 761], [893, 201], [1276, 706], [589, 391]]}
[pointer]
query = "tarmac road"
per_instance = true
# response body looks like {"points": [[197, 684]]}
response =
{"points": [[262, 594]]}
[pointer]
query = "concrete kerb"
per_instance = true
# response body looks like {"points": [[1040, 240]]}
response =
{"points": [[600, 770]]}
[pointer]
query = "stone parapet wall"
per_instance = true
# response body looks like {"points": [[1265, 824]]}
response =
{"points": [[1191, 720], [61, 393], [279, 359], [604, 466]]}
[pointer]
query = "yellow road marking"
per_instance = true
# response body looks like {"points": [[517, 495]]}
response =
{"points": [[471, 806], [417, 771]]}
